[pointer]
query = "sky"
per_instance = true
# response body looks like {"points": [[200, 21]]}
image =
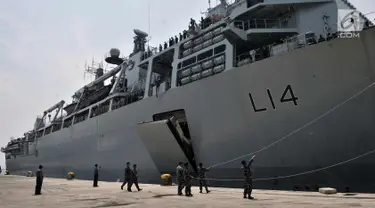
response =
{"points": [[44, 45]]}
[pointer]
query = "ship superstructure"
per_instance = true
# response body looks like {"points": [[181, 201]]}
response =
{"points": [[231, 36]]}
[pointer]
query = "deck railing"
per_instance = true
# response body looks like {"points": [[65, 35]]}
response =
{"points": [[267, 51], [265, 23]]}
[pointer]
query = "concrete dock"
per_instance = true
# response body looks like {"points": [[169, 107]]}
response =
{"points": [[17, 192]]}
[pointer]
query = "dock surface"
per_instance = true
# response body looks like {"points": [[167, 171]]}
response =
{"points": [[17, 192]]}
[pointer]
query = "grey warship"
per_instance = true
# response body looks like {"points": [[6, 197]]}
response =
{"points": [[251, 72]]}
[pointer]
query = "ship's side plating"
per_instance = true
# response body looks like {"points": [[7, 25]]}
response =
{"points": [[221, 115]]}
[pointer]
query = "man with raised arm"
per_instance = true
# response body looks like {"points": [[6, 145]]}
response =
{"points": [[202, 177], [248, 175]]}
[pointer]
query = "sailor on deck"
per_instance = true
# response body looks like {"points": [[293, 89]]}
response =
{"points": [[248, 175], [252, 55]]}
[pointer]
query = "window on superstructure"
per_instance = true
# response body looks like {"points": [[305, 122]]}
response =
{"points": [[56, 127], [31, 137], [81, 116], [100, 109], [103, 107], [220, 49], [68, 122], [118, 102], [205, 55], [48, 130], [39, 133], [189, 61], [94, 111]]}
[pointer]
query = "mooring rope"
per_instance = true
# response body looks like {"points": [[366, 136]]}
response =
{"points": [[298, 129], [297, 174]]}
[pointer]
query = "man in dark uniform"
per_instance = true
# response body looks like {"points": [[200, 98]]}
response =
{"points": [[172, 40], [96, 175], [180, 178], [39, 180], [187, 179], [202, 177], [127, 177], [135, 177], [248, 175]]}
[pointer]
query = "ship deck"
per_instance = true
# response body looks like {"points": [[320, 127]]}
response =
{"points": [[16, 191]]}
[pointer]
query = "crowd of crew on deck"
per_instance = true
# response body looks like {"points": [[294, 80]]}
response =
{"points": [[204, 23]]}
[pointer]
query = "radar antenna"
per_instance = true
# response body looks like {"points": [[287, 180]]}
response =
{"points": [[92, 69], [149, 24]]}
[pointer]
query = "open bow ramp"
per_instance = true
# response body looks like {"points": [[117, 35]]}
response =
{"points": [[166, 144]]}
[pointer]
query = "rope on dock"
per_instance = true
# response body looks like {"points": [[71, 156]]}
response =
{"points": [[298, 174]]}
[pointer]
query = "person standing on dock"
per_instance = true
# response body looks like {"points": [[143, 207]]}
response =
{"points": [[248, 175], [39, 180], [202, 177], [96, 175], [180, 178], [135, 177], [187, 178], [127, 177]]}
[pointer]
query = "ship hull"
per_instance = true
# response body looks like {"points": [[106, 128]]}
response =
{"points": [[241, 111]]}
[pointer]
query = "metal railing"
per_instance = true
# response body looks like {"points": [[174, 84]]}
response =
{"points": [[138, 85], [264, 23], [127, 99], [289, 44], [270, 23]]}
